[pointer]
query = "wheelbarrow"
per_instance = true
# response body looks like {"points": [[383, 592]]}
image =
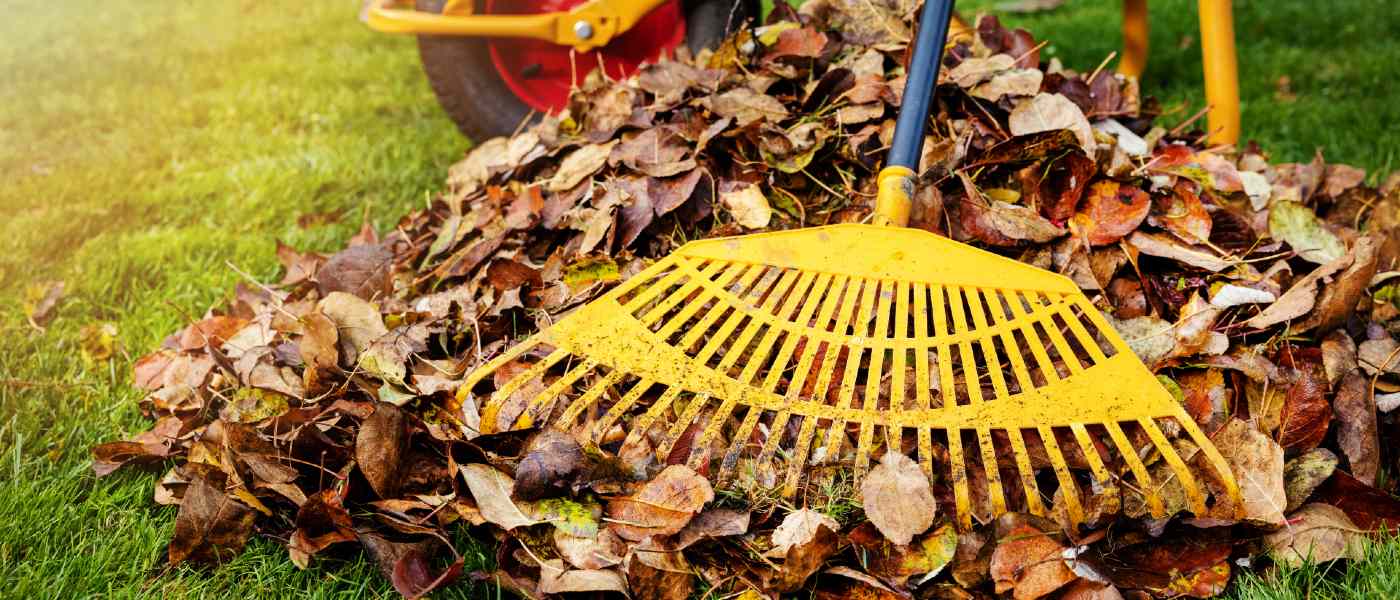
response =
{"points": [[494, 64]]}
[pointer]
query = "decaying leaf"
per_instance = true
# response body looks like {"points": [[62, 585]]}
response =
{"points": [[1020, 223], [1045, 112], [1150, 338], [357, 322], [362, 271], [1304, 473], [748, 205], [1355, 410], [1027, 563], [798, 528], [663, 506], [746, 106], [1257, 463], [898, 499], [579, 165], [40, 301], [1156, 244], [1316, 533], [211, 526], [923, 559], [1111, 211], [551, 462], [1306, 414], [801, 561], [491, 490], [1297, 225], [555, 578], [1299, 299], [379, 449]]}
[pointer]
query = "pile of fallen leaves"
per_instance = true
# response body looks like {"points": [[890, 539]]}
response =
{"points": [[326, 411]]}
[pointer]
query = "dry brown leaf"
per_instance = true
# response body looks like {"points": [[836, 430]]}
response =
{"points": [[713, 523], [363, 271], [1338, 356], [798, 528], [898, 498], [1379, 356], [746, 106], [1339, 299], [1355, 408], [1047, 112], [357, 323], [1306, 413], [748, 205], [598, 552], [1085, 589], [1020, 223], [972, 70], [1300, 297], [803, 560], [578, 166], [662, 506], [1156, 244], [1316, 533], [380, 445], [1303, 474], [1015, 82], [556, 578], [211, 526], [491, 489], [1257, 463], [650, 583], [551, 462], [1027, 563]]}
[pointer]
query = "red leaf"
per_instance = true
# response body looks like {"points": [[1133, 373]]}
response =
{"points": [[1306, 413], [1368, 507], [1183, 214], [414, 578], [1111, 211]]}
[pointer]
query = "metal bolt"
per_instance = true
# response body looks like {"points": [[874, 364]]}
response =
{"points": [[583, 29]]}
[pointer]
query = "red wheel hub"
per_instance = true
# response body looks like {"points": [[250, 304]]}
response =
{"points": [[541, 74]]}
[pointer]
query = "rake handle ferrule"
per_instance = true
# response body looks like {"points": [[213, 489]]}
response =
{"points": [[895, 197], [919, 83]]}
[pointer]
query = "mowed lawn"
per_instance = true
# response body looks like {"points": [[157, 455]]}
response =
{"points": [[149, 152]]}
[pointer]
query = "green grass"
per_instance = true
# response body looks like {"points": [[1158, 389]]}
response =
{"points": [[145, 147]]}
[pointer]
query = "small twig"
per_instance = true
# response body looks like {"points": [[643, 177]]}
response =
{"points": [[270, 292], [1187, 123], [1036, 48], [1110, 57]]}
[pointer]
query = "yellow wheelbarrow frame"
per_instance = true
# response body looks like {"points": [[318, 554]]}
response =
{"points": [[1217, 55], [587, 26]]}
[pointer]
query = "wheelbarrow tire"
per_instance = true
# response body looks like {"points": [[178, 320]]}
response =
{"points": [[472, 93]]}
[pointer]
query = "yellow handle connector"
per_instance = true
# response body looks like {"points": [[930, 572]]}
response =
{"points": [[895, 198]]}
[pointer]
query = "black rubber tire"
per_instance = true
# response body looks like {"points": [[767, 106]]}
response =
{"points": [[460, 71]]}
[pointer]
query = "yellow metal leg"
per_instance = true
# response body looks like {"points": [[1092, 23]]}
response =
{"points": [[1134, 38], [1221, 71]]}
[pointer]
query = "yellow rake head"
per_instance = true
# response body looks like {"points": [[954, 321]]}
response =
{"points": [[894, 338], [832, 344]]}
